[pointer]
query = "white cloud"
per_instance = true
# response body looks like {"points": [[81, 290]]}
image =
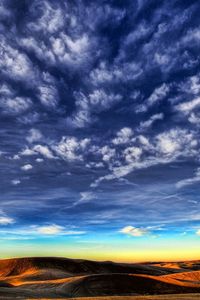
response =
{"points": [[15, 181], [4, 12], [198, 232], [54, 229], [107, 153], [162, 59], [38, 149], [44, 230], [4, 220], [34, 135], [123, 136], [193, 35], [15, 106], [29, 118], [146, 124], [27, 167], [161, 149], [144, 141], [167, 144], [39, 160], [132, 153], [172, 141], [50, 229], [189, 181], [48, 96], [158, 94], [103, 74], [44, 151], [50, 21], [87, 196], [40, 49], [194, 119], [16, 157], [71, 149], [15, 64], [134, 231], [100, 101], [73, 52], [28, 152], [195, 85], [87, 105], [186, 107]]}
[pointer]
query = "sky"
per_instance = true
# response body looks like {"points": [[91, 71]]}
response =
{"points": [[99, 129]]}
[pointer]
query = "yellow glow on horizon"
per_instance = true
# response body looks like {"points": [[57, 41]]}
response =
{"points": [[129, 256]]}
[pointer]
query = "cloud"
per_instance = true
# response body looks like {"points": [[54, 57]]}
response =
{"points": [[27, 167], [4, 220], [194, 119], [15, 181], [28, 152], [29, 119], [38, 149], [198, 232], [73, 84], [123, 136], [107, 153], [49, 21], [15, 106], [34, 135], [96, 102], [70, 148], [146, 124], [186, 107], [33, 231], [134, 231], [44, 151], [132, 154], [71, 52], [87, 196], [174, 140], [50, 229], [14, 63], [164, 148], [189, 181], [48, 96], [158, 95], [39, 160]]}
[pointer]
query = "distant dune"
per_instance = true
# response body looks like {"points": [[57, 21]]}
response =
{"points": [[59, 278]]}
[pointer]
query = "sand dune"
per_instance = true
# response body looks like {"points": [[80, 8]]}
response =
{"points": [[59, 278], [10, 267], [192, 277], [182, 265]]}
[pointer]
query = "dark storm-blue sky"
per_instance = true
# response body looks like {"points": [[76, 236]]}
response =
{"points": [[99, 115]]}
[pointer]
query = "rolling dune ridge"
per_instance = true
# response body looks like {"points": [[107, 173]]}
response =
{"points": [[59, 278]]}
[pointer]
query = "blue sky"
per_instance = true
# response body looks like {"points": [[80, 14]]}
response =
{"points": [[99, 125]]}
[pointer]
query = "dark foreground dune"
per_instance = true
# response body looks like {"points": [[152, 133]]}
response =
{"points": [[60, 278]]}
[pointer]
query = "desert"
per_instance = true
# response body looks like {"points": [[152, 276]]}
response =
{"points": [[62, 278]]}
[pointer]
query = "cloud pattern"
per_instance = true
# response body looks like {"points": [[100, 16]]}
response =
{"points": [[99, 114]]}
